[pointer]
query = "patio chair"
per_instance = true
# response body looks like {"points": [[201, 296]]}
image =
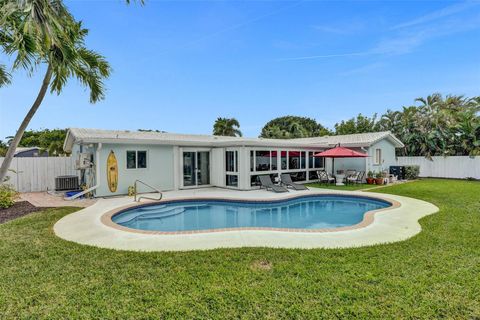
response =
{"points": [[287, 181], [352, 178], [325, 177], [266, 182], [360, 177]]}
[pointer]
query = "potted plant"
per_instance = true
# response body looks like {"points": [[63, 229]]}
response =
{"points": [[379, 178], [370, 178]]}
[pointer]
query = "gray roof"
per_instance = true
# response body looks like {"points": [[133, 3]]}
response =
{"points": [[77, 135]]}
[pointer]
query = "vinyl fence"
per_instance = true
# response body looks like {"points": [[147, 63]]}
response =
{"points": [[38, 173], [445, 167]]}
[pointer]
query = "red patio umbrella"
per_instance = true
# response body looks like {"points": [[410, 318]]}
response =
{"points": [[340, 152]]}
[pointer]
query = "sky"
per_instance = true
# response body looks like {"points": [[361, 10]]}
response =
{"points": [[178, 65]]}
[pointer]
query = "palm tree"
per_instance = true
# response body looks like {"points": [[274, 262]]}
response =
{"points": [[227, 127], [44, 32]]}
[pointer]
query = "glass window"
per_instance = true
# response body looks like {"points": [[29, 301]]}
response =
{"points": [[141, 159], [293, 160], [274, 160], [314, 162], [303, 160], [131, 160], [230, 161], [298, 176], [262, 160], [378, 156], [252, 166], [232, 180], [283, 160]]}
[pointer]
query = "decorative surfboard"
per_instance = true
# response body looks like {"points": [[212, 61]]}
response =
{"points": [[112, 172]]}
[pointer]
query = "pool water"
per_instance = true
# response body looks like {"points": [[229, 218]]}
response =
{"points": [[311, 212]]}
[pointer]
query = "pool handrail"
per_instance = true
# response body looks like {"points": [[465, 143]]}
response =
{"points": [[137, 199]]}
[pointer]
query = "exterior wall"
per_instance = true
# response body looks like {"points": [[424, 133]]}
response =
{"points": [[159, 172], [217, 167], [388, 156]]}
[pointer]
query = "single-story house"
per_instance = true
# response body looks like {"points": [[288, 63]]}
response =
{"points": [[23, 152], [170, 161]]}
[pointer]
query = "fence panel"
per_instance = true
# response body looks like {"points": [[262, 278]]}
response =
{"points": [[445, 167], [38, 173]]}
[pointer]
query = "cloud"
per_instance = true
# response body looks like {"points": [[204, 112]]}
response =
{"points": [[408, 39], [438, 14], [364, 69]]}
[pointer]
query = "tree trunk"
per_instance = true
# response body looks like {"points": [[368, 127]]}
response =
{"points": [[18, 135]]}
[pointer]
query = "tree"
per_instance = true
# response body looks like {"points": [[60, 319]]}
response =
{"points": [[289, 127], [360, 124], [227, 127], [44, 32]]}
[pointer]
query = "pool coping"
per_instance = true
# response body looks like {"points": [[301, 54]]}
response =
{"points": [[386, 225], [368, 216]]}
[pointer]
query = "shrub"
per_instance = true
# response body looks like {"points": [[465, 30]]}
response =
{"points": [[7, 196], [412, 172]]}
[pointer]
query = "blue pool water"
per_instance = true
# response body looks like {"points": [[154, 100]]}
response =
{"points": [[311, 212]]}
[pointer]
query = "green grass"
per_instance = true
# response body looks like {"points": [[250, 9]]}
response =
{"points": [[435, 274], [347, 187]]}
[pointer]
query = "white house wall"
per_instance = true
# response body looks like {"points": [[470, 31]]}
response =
{"points": [[159, 172]]}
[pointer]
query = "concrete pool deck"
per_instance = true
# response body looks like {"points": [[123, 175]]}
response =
{"points": [[393, 224]]}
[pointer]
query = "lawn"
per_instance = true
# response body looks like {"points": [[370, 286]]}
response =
{"points": [[436, 274]]}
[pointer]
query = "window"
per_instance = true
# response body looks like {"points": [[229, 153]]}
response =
{"points": [[293, 160], [283, 160], [136, 159], [378, 156], [141, 159], [131, 159], [232, 180], [302, 160], [252, 159], [231, 161], [274, 160], [315, 162], [262, 160]]}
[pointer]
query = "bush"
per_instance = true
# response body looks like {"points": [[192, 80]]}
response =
{"points": [[412, 172], [7, 196]]}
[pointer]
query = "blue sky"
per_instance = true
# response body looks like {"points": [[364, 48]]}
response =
{"points": [[178, 65]]}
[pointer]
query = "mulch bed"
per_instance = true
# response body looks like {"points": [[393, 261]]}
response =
{"points": [[19, 209]]}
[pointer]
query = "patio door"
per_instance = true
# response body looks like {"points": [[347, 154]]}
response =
{"points": [[196, 168]]}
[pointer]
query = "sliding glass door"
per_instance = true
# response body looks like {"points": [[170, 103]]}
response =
{"points": [[196, 168]]}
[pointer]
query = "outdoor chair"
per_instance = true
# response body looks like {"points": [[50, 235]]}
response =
{"points": [[325, 177], [352, 178], [287, 181], [266, 182]]}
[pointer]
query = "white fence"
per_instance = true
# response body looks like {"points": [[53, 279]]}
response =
{"points": [[445, 167], [38, 173]]}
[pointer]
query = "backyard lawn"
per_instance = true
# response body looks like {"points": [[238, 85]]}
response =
{"points": [[436, 274]]}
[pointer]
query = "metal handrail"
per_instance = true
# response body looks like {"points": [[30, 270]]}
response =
{"points": [[145, 197]]}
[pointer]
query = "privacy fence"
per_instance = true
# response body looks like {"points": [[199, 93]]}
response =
{"points": [[460, 167], [38, 174]]}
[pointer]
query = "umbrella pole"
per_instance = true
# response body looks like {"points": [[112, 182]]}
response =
{"points": [[333, 166]]}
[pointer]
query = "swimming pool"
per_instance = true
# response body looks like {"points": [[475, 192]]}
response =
{"points": [[307, 212]]}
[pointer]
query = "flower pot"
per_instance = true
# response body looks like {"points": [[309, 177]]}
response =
{"points": [[370, 180], [379, 181]]}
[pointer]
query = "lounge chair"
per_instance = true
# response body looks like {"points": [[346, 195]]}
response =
{"points": [[266, 182], [326, 178], [352, 177], [287, 181]]}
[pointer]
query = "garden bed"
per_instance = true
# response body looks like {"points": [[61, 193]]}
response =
{"points": [[19, 209]]}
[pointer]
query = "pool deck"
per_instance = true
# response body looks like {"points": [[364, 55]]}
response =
{"points": [[397, 223]]}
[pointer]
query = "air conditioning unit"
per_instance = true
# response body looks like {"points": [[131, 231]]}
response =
{"points": [[63, 183], [84, 161]]}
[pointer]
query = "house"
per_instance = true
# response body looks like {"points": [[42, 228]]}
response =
{"points": [[22, 152], [170, 161]]}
